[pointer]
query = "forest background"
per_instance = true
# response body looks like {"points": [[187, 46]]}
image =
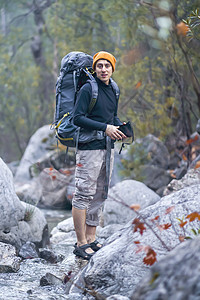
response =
{"points": [[156, 44]]}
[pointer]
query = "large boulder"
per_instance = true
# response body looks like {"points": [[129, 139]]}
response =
{"points": [[45, 175], [148, 161], [51, 189], [12, 211], [192, 177], [129, 192], [118, 267], [42, 141], [174, 277], [55, 187], [19, 222]]}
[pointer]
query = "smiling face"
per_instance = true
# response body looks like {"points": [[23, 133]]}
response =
{"points": [[103, 69]]}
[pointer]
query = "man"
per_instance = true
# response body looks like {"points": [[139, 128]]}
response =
{"points": [[91, 157]]}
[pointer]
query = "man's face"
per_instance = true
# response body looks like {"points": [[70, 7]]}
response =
{"points": [[103, 69]]}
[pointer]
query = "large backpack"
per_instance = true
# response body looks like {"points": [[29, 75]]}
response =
{"points": [[75, 71]]}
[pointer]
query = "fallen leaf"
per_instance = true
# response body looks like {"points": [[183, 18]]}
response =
{"points": [[193, 216], [182, 223], [139, 226], [155, 219], [169, 209], [181, 238], [135, 206], [150, 258], [165, 226], [79, 165]]}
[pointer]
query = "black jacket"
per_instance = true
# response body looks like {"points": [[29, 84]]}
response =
{"points": [[104, 112]]}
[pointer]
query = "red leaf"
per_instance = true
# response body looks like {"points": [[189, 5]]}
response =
{"points": [[193, 216], [165, 226], [190, 141], [136, 242], [53, 177], [79, 165], [169, 209], [139, 226], [67, 277], [65, 172], [155, 219], [150, 258]]}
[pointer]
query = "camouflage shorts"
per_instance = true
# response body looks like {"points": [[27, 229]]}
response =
{"points": [[90, 182]]}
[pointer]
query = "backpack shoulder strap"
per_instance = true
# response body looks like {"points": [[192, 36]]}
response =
{"points": [[115, 88], [94, 87]]}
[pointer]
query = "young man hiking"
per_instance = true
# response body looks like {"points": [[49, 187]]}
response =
{"points": [[92, 158]]}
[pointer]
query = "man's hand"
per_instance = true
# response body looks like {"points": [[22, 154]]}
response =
{"points": [[114, 133]]}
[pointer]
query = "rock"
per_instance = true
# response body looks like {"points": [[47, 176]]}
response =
{"points": [[50, 279], [117, 297], [9, 262], [54, 187], [38, 226], [11, 209], [30, 192], [147, 160], [63, 231], [56, 159], [51, 189], [28, 250], [48, 255], [118, 167], [181, 170], [107, 231], [42, 141], [117, 268], [66, 225], [129, 192], [154, 177], [192, 177], [155, 151], [174, 277], [13, 166], [19, 222], [74, 296]]}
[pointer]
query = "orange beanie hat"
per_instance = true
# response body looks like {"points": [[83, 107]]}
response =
{"points": [[104, 55]]}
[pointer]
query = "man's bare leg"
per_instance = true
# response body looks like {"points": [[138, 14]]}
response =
{"points": [[91, 234], [79, 217]]}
